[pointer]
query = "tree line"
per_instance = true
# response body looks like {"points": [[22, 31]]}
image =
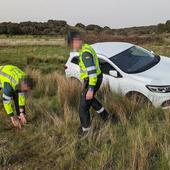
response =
{"points": [[55, 27]]}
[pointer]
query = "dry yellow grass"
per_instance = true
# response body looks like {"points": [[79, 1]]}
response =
{"points": [[30, 42], [138, 141]]}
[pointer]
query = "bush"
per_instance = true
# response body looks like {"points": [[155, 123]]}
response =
{"points": [[167, 25], [80, 25], [94, 38], [161, 28]]}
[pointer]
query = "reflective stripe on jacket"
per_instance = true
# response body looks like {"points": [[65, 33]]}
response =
{"points": [[10, 76]]}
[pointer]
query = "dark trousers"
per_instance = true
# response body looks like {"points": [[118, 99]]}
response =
{"points": [[86, 104]]}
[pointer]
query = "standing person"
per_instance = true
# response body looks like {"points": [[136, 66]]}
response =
{"points": [[91, 74], [14, 83]]}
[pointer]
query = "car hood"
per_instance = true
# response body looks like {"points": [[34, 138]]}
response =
{"points": [[157, 75]]}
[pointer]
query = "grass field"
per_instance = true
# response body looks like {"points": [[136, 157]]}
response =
{"points": [[140, 140]]}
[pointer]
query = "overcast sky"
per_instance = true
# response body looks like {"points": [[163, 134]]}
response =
{"points": [[113, 13]]}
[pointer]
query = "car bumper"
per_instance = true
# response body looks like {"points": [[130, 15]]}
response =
{"points": [[160, 99]]}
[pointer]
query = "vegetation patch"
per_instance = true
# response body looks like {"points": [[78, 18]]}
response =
{"points": [[139, 139]]}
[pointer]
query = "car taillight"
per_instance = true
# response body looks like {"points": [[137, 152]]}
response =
{"points": [[65, 67]]}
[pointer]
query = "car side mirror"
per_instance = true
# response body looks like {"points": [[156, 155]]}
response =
{"points": [[114, 73]]}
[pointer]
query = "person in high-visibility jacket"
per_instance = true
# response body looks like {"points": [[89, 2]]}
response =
{"points": [[91, 73], [14, 83]]}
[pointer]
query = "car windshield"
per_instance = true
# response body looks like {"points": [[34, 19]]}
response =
{"points": [[135, 60]]}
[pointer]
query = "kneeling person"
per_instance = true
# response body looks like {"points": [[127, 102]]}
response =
{"points": [[14, 83]]}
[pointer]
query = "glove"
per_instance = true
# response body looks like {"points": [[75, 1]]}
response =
{"points": [[15, 121], [22, 119]]}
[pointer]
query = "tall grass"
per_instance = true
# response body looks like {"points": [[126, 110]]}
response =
{"points": [[139, 140]]}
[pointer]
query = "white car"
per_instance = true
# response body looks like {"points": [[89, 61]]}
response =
{"points": [[130, 69]]}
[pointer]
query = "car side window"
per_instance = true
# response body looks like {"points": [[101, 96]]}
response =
{"points": [[75, 60], [105, 67]]}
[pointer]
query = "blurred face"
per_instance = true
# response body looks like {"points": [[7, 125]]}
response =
{"points": [[24, 87], [76, 44]]}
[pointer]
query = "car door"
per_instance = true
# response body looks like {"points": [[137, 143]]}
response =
{"points": [[72, 67], [113, 81]]}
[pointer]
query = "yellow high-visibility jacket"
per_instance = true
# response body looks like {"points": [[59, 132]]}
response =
{"points": [[89, 65], [10, 76]]}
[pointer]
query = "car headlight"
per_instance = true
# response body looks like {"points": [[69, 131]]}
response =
{"points": [[159, 89]]}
